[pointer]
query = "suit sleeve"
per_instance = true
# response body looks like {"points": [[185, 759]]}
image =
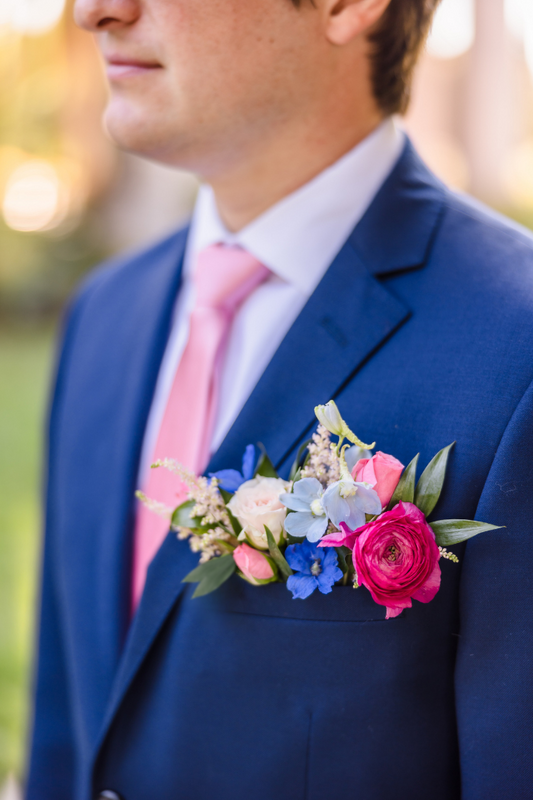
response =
{"points": [[494, 672], [50, 774]]}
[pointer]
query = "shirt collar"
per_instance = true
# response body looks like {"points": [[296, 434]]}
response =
{"points": [[298, 237]]}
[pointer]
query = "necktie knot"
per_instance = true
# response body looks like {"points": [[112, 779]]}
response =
{"points": [[225, 275]]}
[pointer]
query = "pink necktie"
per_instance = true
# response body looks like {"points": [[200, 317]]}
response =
{"points": [[224, 277]]}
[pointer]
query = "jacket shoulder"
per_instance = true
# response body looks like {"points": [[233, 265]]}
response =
{"points": [[489, 256], [131, 266], [489, 227], [124, 288]]}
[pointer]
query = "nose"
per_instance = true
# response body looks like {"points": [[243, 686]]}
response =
{"points": [[99, 15]]}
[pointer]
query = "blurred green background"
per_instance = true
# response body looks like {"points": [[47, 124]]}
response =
{"points": [[25, 358], [68, 200]]}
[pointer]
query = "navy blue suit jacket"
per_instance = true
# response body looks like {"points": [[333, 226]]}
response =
{"points": [[422, 329]]}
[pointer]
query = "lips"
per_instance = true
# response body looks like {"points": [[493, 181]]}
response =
{"points": [[120, 67]]}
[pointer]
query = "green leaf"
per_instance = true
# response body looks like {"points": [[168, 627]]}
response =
{"points": [[277, 555], [227, 546], [343, 554], [297, 477], [181, 518], [235, 524], [226, 496], [211, 575], [453, 531], [429, 487], [265, 467], [405, 491], [297, 465]]}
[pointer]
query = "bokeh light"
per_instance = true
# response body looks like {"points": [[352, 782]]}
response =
{"points": [[31, 16], [35, 198], [453, 29]]}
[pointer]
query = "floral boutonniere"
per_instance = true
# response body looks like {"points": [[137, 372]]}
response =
{"points": [[344, 517]]}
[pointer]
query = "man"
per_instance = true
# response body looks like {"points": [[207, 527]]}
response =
{"points": [[353, 273]]}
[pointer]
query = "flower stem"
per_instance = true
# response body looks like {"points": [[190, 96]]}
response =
{"points": [[339, 445]]}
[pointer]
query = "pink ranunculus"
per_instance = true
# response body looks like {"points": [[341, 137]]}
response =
{"points": [[397, 559], [255, 566], [345, 537], [382, 472]]}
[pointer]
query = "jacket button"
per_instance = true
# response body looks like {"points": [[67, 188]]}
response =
{"points": [[107, 794]]}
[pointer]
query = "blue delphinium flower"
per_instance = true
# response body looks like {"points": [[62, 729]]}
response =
{"points": [[310, 518], [315, 567], [231, 479], [349, 501]]}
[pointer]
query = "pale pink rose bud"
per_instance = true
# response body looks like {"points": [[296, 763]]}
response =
{"points": [[382, 472], [255, 566]]}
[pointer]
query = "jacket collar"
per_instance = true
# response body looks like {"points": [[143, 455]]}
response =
{"points": [[397, 230]]}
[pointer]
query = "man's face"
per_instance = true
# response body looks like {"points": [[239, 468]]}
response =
{"points": [[195, 82]]}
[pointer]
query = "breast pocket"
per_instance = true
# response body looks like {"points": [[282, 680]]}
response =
{"points": [[343, 604]]}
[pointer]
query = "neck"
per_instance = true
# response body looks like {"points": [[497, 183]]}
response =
{"points": [[269, 173]]}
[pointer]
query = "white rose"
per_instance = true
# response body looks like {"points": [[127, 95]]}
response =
{"points": [[255, 504]]}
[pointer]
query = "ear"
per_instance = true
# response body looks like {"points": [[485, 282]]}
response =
{"points": [[349, 19]]}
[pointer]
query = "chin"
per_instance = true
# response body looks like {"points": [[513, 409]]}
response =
{"points": [[144, 132], [128, 127]]}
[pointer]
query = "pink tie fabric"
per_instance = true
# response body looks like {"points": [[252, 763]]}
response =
{"points": [[224, 277]]}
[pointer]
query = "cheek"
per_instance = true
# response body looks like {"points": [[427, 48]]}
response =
{"points": [[223, 53]]}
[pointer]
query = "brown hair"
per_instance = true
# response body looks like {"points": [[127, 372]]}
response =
{"points": [[396, 43]]}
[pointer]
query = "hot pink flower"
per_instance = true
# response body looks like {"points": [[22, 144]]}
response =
{"points": [[382, 472], [396, 558], [255, 566], [345, 537]]}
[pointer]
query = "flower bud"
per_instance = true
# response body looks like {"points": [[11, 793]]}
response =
{"points": [[329, 416], [255, 566], [382, 472]]}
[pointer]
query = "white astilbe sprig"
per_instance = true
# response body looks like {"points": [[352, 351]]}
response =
{"points": [[323, 462], [186, 476], [209, 508], [207, 546], [155, 506]]}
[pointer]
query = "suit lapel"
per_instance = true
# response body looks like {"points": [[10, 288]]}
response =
{"points": [[144, 342], [347, 319], [164, 577], [97, 561]]}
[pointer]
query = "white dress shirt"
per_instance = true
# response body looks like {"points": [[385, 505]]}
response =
{"points": [[297, 239]]}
